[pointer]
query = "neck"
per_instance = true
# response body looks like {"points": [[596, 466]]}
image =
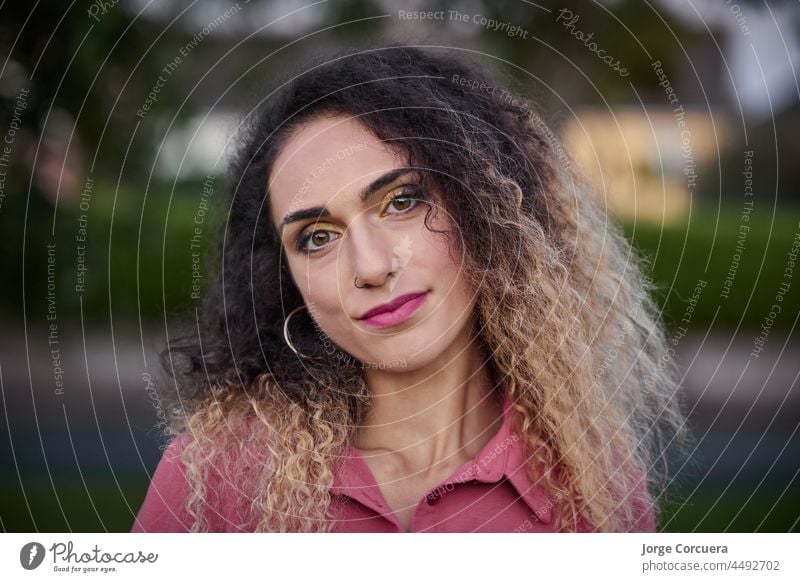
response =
{"points": [[442, 412]]}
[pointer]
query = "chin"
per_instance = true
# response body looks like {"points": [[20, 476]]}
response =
{"points": [[408, 356]]}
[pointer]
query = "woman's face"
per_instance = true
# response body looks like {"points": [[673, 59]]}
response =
{"points": [[372, 228]]}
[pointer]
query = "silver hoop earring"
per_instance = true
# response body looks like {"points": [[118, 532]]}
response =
{"points": [[286, 331], [355, 282]]}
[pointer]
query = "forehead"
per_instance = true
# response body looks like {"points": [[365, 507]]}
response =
{"points": [[324, 159]]}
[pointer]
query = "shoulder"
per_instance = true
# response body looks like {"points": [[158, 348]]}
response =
{"points": [[163, 509], [224, 490]]}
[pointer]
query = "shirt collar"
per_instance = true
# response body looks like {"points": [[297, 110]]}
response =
{"points": [[502, 456]]}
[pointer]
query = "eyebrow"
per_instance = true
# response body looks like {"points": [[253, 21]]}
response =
{"points": [[322, 212]]}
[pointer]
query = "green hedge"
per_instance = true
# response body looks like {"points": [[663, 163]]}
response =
{"points": [[151, 267], [706, 248]]}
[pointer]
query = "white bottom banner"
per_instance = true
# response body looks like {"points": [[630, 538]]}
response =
{"points": [[355, 557]]}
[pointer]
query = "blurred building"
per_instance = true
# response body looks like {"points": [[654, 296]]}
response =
{"points": [[645, 164]]}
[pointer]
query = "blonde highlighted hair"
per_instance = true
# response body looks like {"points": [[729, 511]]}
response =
{"points": [[564, 310]]}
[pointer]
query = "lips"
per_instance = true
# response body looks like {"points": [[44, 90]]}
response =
{"points": [[392, 305]]}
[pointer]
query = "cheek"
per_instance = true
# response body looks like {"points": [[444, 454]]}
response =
{"points": [[444, 241], [443, 256], [322, 296], [460, 297], [312, 281], [449, 265]]}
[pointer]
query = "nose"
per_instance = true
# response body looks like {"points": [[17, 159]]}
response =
{"points": [[370, 250]]}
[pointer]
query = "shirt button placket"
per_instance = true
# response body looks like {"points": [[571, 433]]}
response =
{"points": [[433, 498]]}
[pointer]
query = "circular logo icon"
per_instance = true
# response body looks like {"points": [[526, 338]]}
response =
{"points": [[31, 555]]}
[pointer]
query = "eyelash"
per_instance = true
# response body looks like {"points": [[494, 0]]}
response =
{"points": [[409, 193]]}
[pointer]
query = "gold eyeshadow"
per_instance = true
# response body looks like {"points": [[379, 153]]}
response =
{"points": [[410, 191]]}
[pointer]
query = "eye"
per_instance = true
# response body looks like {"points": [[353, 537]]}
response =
{"points": [[407, 200], [318, 239], [313, 241]]}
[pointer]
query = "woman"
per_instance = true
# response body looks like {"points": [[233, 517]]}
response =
{"points": [[421, 322]]}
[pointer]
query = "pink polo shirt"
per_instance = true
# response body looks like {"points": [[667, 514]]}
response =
{"points": [[489, 493]]}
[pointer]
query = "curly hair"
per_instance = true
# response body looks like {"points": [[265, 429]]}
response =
{"points": [[564, 309]]}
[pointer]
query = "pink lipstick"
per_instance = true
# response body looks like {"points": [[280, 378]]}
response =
{"points": [[396, 311]]}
